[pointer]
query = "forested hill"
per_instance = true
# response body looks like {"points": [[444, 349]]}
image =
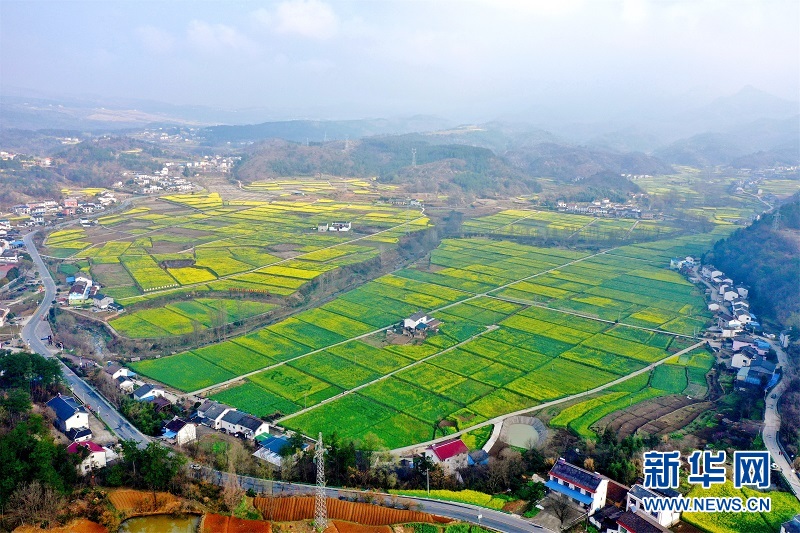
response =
{"points": [[451, 164], [447, 169], [767, 260]]}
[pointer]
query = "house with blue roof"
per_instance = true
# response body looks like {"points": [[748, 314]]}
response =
{"points": [[179, 431], [69, 415], [271, 447], [586, 489], [477, 457], [759, 376], [147, 393]]}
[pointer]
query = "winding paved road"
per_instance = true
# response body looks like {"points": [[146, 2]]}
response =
{"points": [[772, 424], [460, 511], [38, 328]]}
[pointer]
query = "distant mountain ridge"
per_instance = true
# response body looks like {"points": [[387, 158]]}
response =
{"points": [[778, 139], [323, 130]]}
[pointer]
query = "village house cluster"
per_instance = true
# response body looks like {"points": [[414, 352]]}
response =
{"points": [[26, 161], [158, 182], [605, 208], [743, 354], [84, 291], [40, 213], [213, 163], [610, 506], [176, 431], [9, 244]]}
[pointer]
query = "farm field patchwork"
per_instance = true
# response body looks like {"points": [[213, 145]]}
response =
{"points": [[186, 317], [513, 356], [194, 240], [567, 226]]}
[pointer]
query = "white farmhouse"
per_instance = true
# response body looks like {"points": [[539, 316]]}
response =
{"points": [[639, 492], [96, 458], [69, 414]]}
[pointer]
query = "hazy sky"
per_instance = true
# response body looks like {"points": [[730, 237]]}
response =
{"points": [[364, 58]]}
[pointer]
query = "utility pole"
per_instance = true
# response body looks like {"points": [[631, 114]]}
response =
{"points": [[428, 480], [320, 507]]}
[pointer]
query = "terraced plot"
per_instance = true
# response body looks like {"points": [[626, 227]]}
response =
{"points": [[566, 226], [252, 246], [186, 317], [491, 356]]}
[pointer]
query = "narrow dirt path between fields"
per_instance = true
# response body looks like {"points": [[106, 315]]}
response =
{"points": [[392, 373], [484, 294]]}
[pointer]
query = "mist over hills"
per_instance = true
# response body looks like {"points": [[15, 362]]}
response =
{"points": [[748, 129]]}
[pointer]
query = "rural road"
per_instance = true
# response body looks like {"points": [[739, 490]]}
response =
{"points": [[460, 511], [38, 328], [772, 424]]}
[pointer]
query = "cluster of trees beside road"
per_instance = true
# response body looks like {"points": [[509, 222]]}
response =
{"points": [[37, 472]]}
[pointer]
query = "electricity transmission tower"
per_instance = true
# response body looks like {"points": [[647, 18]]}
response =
{"points": [[413, 157], [320, 507]]}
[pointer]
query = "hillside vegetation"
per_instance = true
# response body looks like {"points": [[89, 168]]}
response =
{"points": [[766, 259]]}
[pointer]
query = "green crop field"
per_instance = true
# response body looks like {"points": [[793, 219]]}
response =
{"points": [[186, 317], [567, 227], [784, 507], [669, 378], [495, 352], [202, 243]]}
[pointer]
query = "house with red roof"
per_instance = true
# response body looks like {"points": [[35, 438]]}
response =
{"points": [[96, 458], [452, 454]]}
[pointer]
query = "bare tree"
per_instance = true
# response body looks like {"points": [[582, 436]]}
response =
{"points": [[559, 505], [32, 503], [108, 387], [232, 492]]}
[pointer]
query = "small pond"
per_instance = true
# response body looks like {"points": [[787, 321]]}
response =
{"points": [[521, 435], [161, 524]]}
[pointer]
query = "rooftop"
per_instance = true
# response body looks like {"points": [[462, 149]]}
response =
{"points": [[449, 448], [142, 391], [233, 417], [273, 444], [112, 368], [92, 446], [77, 433], [65, 407], [175, 425], [638, 523], [575, 475], [793, 525]]}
